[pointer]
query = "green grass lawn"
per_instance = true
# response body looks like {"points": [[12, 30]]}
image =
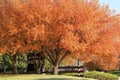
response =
{"points": [[39, 77]]}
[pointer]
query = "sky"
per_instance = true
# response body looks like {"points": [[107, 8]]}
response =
{"points": [[113, 4]]}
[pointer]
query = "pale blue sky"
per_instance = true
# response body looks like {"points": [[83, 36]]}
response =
{"points": [[114, 4]]}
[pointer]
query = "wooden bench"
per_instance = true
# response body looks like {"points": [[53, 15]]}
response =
{"points": [[72, 69]]}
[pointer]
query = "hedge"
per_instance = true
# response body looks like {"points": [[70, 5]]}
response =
{"points": [[101, 75]]}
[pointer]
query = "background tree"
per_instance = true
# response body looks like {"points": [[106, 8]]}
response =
{"points": [[19, 29], [12, 31], [108, 49]]}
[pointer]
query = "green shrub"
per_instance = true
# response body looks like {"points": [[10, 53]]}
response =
{"points": [[117, 72], [101, 75]]}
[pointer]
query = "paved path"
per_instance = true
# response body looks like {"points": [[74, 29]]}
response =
{"points": [[119, 78]]}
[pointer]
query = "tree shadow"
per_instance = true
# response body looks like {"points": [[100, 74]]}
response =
{"points": [[56, 79], [60, 79]]}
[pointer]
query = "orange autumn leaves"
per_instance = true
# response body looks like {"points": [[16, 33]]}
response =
{"points": [[86, 29]]}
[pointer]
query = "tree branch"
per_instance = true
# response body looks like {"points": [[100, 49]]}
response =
{"points": [[64, 56]]}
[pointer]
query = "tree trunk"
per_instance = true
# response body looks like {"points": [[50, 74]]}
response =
{"points": [[42, 65], [15, 71], [55, 70], [38, 70], [39, 65], [14, 65]]}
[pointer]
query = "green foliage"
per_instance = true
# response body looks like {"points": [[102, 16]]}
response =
{"points": [[6, 62], [1, 62], [101, 75], [115, 72], [21, 63], [21, 60], [47, 64]]}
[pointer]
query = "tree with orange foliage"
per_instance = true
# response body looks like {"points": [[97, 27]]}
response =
{"points": [[11, 38], [106, 50], [57, 28], [13, 28]]}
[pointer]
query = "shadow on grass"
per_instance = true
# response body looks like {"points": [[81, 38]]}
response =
{"points": [[60, 79], [56, 79]]}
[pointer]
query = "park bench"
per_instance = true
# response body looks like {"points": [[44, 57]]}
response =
{"points": [[72, 69], [80, 70]]}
